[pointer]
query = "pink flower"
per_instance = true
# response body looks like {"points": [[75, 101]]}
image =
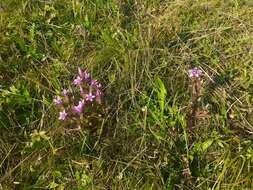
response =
{"points": [[81, 90], [63, 115], [78, 81], [98, 93], [65, 92], [84, 75], [194, 73], [94, 83], [90, 97], [98, 96], [79, 107], [58, 101], [99, 85]]}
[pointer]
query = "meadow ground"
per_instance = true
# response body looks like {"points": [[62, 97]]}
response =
{"points": [[151, 131]]}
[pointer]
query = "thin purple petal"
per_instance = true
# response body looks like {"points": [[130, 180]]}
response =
{"points": [[58, 101], [90, 97], [63, 115]]}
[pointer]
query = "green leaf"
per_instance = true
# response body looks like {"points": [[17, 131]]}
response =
{"points": [[205, 145], [161, 94], [53, 185]]}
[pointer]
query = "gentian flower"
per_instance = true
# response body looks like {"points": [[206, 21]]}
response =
{"points": [[90, 97], [79, 107], [89, 90], [99, 85], [93, 83], [58, 101], [65, 92], [83, 75], [98, 96], [78, 81], [194, 73], [98, 93], [63, 115], [86, 75]]}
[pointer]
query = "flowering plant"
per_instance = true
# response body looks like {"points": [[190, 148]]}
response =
{"points": [[195, 76], [195, 73], [72, 105]]}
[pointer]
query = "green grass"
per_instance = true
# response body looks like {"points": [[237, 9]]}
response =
{"points": [[141, 52]]}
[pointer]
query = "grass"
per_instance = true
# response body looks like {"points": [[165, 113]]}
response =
{"points": [[141, 52]]}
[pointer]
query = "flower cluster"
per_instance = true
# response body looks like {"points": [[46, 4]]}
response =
{"points": [[194, 73], [72, 105]]}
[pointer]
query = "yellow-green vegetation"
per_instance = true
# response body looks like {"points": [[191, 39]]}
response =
{"points": [[141, 137]]}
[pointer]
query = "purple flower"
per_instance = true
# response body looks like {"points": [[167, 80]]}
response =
{"points": [[79, 107], [194, 73], [78, 81], [83, 75], [98, 96], [99, 85], [86, 75], [90, 97], [65, 92], [94, 83], [98, 93], [57, 101], [63, 115]]}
